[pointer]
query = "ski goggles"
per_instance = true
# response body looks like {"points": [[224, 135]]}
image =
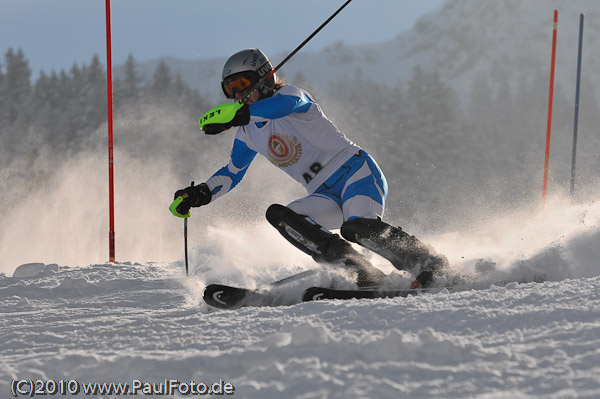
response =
{"points": [[237, 83]]}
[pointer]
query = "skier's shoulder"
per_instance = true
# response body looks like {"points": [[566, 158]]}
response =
{"points": [[287, 101], [291, 90]]}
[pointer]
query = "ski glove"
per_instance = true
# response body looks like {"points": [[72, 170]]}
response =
{"points": [[242, 117], [191, 197]]}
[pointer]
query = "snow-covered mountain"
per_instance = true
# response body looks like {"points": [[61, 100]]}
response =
{"points": [[502, 40]]}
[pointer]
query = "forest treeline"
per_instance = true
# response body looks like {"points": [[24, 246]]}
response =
{"points": [[60, 109], [438, 148]]}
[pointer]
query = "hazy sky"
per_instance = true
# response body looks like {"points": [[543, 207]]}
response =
{"points": [[54, 34]]}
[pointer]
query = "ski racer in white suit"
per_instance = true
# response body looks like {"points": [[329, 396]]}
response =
{"points": [[346, 188]]}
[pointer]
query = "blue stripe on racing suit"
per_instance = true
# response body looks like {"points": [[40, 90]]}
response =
{"points": [[279, 106], [374, 185], [229, 176]]}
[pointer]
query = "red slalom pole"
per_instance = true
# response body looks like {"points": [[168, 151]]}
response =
{"points": [[551, 95], [111, 189]]}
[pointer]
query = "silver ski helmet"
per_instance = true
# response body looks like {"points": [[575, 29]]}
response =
{"points": [[244, 69]]}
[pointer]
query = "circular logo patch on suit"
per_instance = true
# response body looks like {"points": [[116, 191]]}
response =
{"points": [[284, 150]]}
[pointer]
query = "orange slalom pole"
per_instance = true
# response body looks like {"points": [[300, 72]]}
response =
{"points": [[551, 95]]}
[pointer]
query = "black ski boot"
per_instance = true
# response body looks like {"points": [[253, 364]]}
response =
{"points": [[404, 251], [322, 245]]}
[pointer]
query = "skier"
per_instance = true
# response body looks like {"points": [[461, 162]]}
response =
{"points": [[346, 188]]}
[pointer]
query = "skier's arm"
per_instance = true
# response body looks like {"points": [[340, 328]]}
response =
{"points": [[288, 101], [229, 176], [279, 105]]}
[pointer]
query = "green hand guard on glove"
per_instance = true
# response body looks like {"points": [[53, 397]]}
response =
{"points": [[224, 117], [190, 197]]}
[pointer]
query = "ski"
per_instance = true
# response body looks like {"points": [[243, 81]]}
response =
{"points": [[320, 293], [228, 297]]}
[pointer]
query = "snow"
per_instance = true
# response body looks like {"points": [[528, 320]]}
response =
{"points": [[501, 337]]}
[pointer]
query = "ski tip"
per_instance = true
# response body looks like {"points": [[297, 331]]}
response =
{"points": [[313, 294], [223, 296]]}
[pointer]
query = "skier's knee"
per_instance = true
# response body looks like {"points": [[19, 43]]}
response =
{"points": [[303, 233], [275, 213]]}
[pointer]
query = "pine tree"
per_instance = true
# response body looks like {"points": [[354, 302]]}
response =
{"points": [[481, 105], [129, 89], [42, 96], [94, 96], [3, 98], [429, 141], [17, 85], [162, 82], [48, 107], [180, 90]]}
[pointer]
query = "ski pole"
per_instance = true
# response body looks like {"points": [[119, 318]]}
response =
{"points": [[576, 118], [225, 112], [306, 41], [185, 242]]}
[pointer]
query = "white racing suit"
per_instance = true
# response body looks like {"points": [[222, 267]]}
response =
{"points": [[345, 189], [343, 181]]}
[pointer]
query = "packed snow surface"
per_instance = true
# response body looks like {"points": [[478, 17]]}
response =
{"points": [[146, 323], [523, 323]]}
